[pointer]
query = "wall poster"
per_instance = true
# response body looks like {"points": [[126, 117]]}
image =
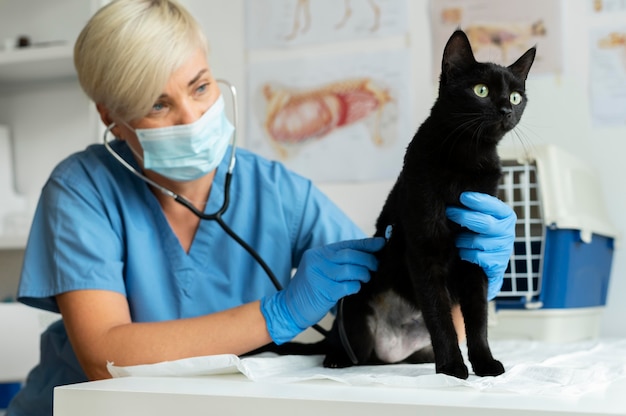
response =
{"points": [[321, 99]]}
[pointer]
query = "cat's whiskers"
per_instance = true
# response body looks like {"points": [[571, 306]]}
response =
{"points": [[519, 134]]}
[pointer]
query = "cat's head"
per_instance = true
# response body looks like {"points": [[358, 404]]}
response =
{"points": [[489, 96]]}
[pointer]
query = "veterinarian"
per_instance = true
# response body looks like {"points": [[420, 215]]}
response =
{"points": [[137, 276]]}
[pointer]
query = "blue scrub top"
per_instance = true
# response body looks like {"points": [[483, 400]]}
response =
{"points": [[98, 226]]}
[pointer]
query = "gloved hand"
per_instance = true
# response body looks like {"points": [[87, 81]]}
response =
{"points": [[325, 275], [491, 243]]}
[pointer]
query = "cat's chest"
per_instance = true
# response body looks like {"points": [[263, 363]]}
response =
{"points": [[451, 182]]}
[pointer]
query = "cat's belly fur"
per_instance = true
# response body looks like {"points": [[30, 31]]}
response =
{"points": [[397, 327]]}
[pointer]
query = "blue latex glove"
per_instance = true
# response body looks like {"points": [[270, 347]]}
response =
{"points": [[325, 275], [491, 243]]}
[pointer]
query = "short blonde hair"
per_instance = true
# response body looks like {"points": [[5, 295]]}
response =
{"points": [[128, 50]]}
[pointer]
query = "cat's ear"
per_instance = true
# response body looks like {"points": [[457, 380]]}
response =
{"points": [[521, 67], [457, 55]]}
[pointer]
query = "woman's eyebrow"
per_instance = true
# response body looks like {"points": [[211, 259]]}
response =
{"points": [[190, 83], [198, 76]]}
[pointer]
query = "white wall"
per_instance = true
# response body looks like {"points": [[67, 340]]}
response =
{"points": [[557, 114]]}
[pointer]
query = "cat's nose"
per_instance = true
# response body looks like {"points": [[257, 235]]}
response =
{"points": [[506, 111]]}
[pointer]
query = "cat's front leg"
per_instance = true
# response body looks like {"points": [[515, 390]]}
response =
{"points": [[473, 299]]}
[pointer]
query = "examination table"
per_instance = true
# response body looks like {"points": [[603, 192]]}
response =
{"points": [[582, 378]]}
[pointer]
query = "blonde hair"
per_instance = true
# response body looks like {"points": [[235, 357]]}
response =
{"points": [[128, 50]]}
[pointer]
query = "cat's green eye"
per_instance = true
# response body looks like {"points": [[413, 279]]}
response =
{"points": [[515, 98], [481, 90]]}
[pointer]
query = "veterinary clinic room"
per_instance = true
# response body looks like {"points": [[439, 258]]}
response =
{"points": [[305, 207]]}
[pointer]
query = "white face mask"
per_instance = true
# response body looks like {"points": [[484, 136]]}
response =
{"points": [[187, 151]]}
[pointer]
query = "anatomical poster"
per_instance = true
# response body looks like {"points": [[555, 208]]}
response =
{"points": [[286, 23], [607, 6], [335, 117], [500, 31], [607, 63]]}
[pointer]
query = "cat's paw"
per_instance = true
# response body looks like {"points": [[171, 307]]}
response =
{"points": [[488, 368], [337, 361], [458, 370]]}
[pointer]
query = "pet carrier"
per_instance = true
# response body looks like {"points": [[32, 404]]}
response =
{"points": [[556, 283]]}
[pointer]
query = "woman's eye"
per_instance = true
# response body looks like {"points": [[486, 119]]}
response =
{"points": [[515, 98], [481, 90], [202, 88], [158, 107]]}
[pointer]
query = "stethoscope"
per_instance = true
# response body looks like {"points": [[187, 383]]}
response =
{"points": [[217, 215]]}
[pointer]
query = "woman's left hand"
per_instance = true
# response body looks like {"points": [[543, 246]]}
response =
{"points": [[490, 243]]}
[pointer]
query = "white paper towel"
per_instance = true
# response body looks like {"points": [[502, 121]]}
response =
{"points": [[531, 368]]}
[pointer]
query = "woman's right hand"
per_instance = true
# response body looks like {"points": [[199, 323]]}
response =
{"points": [[325, 275]]}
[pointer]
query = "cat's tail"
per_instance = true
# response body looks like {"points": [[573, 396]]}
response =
{"points": [[294, 348]]}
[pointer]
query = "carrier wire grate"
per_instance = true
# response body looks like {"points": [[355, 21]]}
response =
{"points": [[519, 188]]}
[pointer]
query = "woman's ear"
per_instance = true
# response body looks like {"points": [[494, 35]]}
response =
{"points": [[105, 116]]}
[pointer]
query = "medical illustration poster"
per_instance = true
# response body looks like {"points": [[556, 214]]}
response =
{"points": [[335, 117], [607, 72], [287, 23], [607, 6], [501, 30]]}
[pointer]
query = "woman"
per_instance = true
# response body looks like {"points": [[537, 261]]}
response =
{"points": [[137, 277]]}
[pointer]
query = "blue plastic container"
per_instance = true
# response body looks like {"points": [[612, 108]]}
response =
{"points": [[7, 391], [574, 273]]}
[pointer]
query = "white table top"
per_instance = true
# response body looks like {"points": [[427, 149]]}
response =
{"points": [[235, 394]]}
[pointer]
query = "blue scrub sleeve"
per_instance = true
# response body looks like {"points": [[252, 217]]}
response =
{"points": [[72, 243]]}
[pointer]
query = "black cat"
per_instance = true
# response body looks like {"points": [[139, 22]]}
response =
{"points": [[404, 313]]}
